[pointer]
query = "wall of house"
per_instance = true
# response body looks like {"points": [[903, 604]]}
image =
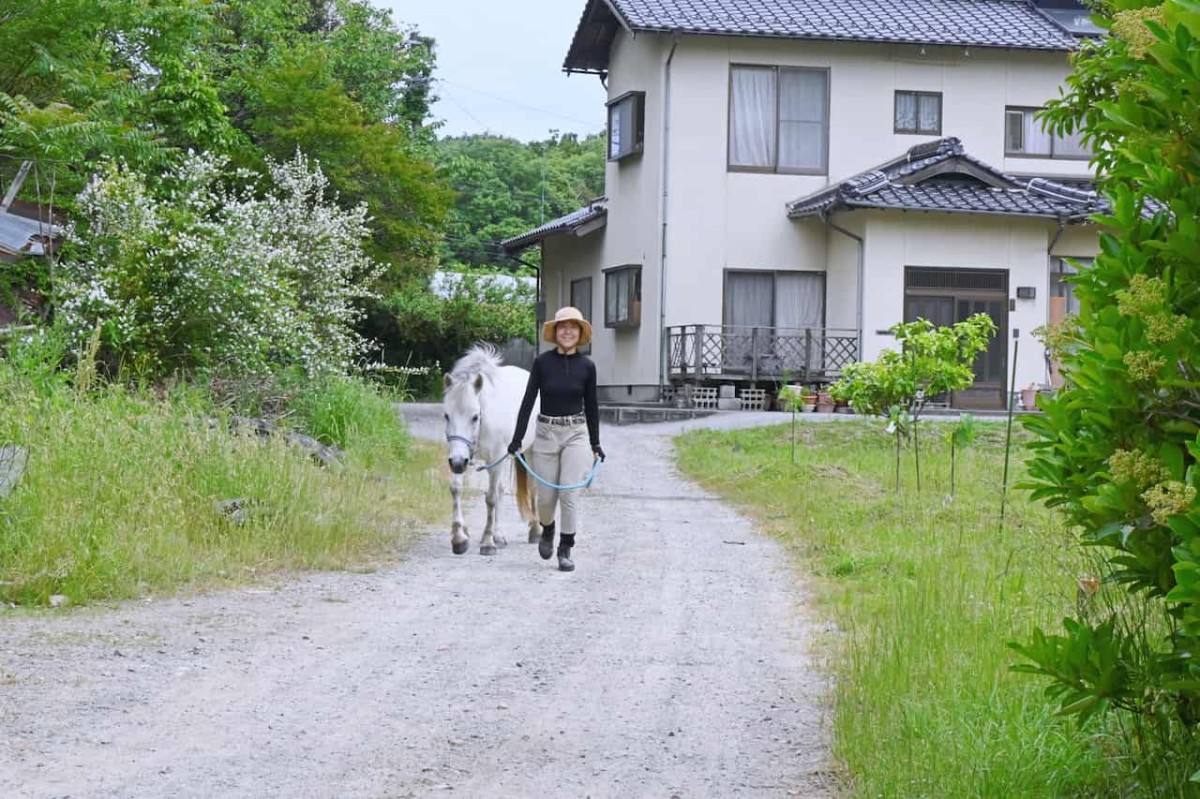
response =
{"points": [[716, 220], [842, 274], [628, 360], [896, 240]]}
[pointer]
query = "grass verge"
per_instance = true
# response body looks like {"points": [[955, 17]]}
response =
{"points": [[122, 494], [926, 592]]}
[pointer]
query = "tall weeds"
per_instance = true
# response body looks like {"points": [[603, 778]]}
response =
{"points": [[135, 491]]}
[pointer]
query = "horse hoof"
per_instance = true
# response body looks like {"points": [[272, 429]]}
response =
{"points": [[501, 542], [534, 536], [460, 547], [487, 550]]}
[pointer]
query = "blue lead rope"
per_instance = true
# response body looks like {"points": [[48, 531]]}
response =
{"points": [[591, 475]]}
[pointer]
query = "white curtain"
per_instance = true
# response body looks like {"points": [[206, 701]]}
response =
{"points": [[749, 303], [1070, 145], [800, 306], [802, 96], [749, 297], [616, 296], [799, 300], [616, 131], [906, 111], [752, 117], [1025, 134], [929, 116]]}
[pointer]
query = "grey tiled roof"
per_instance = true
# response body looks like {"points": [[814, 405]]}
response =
{"points": [[569, 223], [941, 176], [1013, 24]]}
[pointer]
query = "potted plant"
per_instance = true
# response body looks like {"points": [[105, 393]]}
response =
{"points": [[1029, 397], [824, 402], [788, 398]]}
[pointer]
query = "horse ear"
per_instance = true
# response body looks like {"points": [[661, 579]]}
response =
{"points": [[478, 383], [447, 380]]}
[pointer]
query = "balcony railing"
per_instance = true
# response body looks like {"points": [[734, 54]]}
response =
{"points": [[726, 352]]}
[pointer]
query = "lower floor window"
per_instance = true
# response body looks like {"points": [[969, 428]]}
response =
{"points": [[623, 296], [581, 298]]}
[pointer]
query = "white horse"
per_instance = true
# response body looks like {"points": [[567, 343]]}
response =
{"points": [[482, 399]]}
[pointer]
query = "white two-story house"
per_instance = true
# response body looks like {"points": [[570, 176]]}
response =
{"points": [[787, 179]]}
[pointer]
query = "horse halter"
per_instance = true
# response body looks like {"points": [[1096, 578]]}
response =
{"points": [[469, 442]]}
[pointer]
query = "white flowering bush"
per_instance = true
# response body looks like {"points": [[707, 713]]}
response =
{"points": [[211, 272]]}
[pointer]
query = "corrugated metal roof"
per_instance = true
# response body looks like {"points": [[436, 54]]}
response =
{"points": [[1014, 24]]}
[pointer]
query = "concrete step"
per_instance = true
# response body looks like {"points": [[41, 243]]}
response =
{"points": [[646, 414]]}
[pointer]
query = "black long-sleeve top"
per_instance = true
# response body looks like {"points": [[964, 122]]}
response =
{"points": [[567, 384]]}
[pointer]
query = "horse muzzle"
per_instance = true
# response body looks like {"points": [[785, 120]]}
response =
{"points": [[457, 465]]}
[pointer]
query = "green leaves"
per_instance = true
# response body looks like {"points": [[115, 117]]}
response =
{"points": [[1117, 447], [1089, 666], [932, 361], [504, 187]]}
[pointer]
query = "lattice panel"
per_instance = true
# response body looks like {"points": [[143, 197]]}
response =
{"points": [[839, 352], [714, 348]]}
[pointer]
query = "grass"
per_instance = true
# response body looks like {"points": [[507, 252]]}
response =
{"points": [[926, 592], [120, 496]]}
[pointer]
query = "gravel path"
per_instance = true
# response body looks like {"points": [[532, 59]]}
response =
{"points": [[674, 662]]}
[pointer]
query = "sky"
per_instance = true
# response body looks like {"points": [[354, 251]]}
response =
{"points": [[499, 66]]}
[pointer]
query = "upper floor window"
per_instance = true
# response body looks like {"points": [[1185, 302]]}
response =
{"points": [[1024, 135], [626, 125], [623, 296], [918, 112], [779, 119]]}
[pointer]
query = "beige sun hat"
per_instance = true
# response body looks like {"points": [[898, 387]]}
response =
{"points": [[568, 314]]}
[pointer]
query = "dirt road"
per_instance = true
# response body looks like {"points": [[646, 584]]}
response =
{"points": [[674, 662]]}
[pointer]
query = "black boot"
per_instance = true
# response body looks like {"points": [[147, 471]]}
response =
{"points": [[546, 545], [565, 564]]}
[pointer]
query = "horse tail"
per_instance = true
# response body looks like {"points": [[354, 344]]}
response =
{"points": [[526, 494]]}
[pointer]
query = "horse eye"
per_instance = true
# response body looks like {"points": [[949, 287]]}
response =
{"points": [[475, 418], [446, 416]]}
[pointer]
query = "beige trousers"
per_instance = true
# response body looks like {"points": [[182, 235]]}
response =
{"points": [[561, 455]]}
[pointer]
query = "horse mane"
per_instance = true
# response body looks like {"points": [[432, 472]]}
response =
{"points": [[480, 359]]}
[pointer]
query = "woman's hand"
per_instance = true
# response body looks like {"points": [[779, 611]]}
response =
{"points": [[514, 447], [598, 452]]}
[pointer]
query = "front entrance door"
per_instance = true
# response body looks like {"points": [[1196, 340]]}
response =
{"points": [[948, 296]]}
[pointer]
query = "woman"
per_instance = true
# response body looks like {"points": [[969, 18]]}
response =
{"points": [[568, 430]]}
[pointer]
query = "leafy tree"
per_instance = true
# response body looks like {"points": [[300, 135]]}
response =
{"points": [[931, 361], [504, 187], [66, 89], [301, 107], [422, 327], [1116, 449], [88, 81]]}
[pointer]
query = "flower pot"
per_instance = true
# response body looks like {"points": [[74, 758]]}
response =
{"points": [[1028, 396]]}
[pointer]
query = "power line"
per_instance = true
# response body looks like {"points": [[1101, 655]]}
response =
{"points": [[518, 103], [464, 109]]}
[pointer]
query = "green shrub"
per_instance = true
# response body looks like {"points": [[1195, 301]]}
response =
{"points": [[427, 330], [1117, 448], [192, 272]]}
